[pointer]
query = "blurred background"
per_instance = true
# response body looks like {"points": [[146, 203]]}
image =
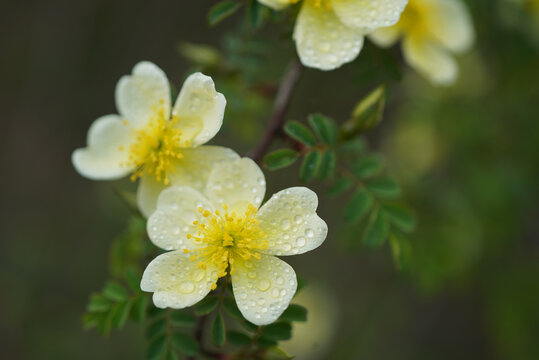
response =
{"points": [[467, 157]]}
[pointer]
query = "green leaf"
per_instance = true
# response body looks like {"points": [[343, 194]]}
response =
{"points": [[310, 165], [156, 328], [276, 353], [115, 291], [238, 338], [218, 333], [377, 230], [325, 128], [121, 314], [384, 188], [340, 186], [155, 312], [328, 165], [300, 132], [294, 313], [206, 305], [185, 344], [368, 167], [99, 303], [171, 355], [201, 55], [104, 325], [221, 11], [277, 331], [181, 318], [230, 306], [90, 320], [157, 348], [250, 326], [254, 12], [132, 278], [280, 159], [138, 310], [367, 113], [401, 250], [302, 283], [358, 206], [265, 342], [400, 216]]}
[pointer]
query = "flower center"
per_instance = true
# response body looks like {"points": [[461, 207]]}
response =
{"points": [[226, 238], [156, 146]]}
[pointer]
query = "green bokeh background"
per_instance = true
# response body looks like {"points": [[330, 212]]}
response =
{"points": [[467, 156]]}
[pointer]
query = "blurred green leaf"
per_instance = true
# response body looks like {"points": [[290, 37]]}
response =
{"points": [[221, 11], [280, 158], [185, 343], [238, 338], [218, 331], [90, 320], [171, 355], [201, 55], [255, 13], [265, 342], [328, 165], [99, 303], [115, 291], [277, 331], [340, 186], [401, 249], [157, 348], [230, 306], [358, 206], [300, 132], [157, 327], [294, 312], [377, 229], [276, 353], [250, 326], [367, 113], [325, 128], [138, 310], [310, 165], [368, 167], [181, 318], [121, 314], [206, 305], [385, 188], [400, 216]]}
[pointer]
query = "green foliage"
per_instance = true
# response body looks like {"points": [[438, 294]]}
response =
{"points": [[310, 166], [218, 331], [222, 10], [367, 114], [325, 129], [206, 305], [294, 312], [300, 133], [277, 331], [280, 159]]}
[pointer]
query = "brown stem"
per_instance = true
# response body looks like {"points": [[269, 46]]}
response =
{"points": [[282, 100]]}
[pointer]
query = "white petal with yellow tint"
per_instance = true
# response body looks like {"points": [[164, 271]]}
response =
{"points": [[368, 14], [322, 40], [236, 182], [263, 288], [107, 151], [192, 170], [277, 4], [176, 281], [449, 23], [141, 94], [386, 37], [431, 60], [290, 222], [200, 109], [177, 208]]}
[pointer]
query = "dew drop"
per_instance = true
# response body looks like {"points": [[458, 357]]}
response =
{"points": [[187, 287], [263, 285]]}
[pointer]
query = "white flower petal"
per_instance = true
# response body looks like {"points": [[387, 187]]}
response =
{"points": [[192, 170], [138, 96], [176, 281], [322, 40], [290, 222], [449, 23], [177, 208], [277, 4], [107, 151], [200, 109], [147, 194], [387, 36], [368, 14], [236, 182], [263, 288], [431, 60]]}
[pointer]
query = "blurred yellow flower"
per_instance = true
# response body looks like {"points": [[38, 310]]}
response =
{"points": [[330, 33], [224, 231], [152, 141], [431, 30]]}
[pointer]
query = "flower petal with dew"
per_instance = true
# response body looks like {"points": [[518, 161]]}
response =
{"points": [[431, 31], [152, 140], [329, 33], [224, 232]]}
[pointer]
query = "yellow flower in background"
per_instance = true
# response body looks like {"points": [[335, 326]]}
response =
{"points": [[431, 30], [152, 140], [225, 232], [330, 33]]}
